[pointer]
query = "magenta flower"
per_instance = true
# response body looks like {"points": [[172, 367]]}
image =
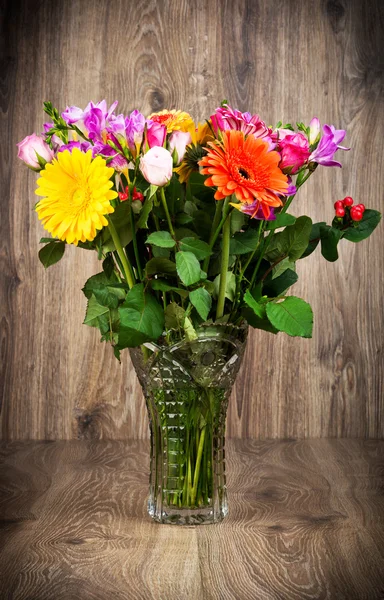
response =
{"points": [[156, 133], [294, 150], [134, 128], [255, 211], [328, 145], [92, 120], [226, 117]]}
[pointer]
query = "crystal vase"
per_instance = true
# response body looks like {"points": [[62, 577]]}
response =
{"points": [[187, 387]]}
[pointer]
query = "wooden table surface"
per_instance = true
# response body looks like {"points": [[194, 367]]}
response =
{"points": [[306, 522]]}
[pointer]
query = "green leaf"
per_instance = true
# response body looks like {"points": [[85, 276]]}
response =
{"points": [[51, 253], [202, 301], [197, 187], [163, 239], [160, 265], [292, 315], [364, 228], [243, 243], [163, 286], [47, 240], [121, 220], [160, 252], [141, 318], [237, 221], [174, 316], [142, 222], [282, 220], [279, 285], [282, 266], [292, 241], [94, 312], [107, 290], [188, 267], [314, 239], [108, 266], [258, 309], [230, 286], [330, 237], [199, 248], [257, 323], [183, 219]]}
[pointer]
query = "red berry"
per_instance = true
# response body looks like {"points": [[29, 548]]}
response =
{"points": [[123, 196], [340, 212], [356, 213], [361, 207], [348, 201], [137, 195], [338, 204]]}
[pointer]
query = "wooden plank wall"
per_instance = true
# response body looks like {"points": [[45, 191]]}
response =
{"points": [[287, 59]]}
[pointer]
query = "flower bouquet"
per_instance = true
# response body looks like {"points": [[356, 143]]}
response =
{"points": [[192, 226]]}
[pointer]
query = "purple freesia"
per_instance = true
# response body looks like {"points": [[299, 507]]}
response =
{"points": [[82, 146], [134, 128], [118, 162], [93, 120], [249, 209], [55, 140], [328, 145], [226, 117]]}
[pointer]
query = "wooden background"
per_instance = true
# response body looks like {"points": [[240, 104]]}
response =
{"points": [[287, 59]]}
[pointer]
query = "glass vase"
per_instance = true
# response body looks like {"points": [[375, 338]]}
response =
{"points": [[187, 387]]}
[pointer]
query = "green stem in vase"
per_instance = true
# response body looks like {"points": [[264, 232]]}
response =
{"points": [[168, 216], [127, 269], [224, 267]]}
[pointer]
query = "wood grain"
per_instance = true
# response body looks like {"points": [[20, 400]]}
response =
{"points": [[283, 59], [305, 522]]}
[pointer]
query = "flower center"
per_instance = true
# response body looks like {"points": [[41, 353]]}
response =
{"points": [[80, 199], [243, 173]]}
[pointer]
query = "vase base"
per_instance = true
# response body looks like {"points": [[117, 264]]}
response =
{"points": [[188, 516]]}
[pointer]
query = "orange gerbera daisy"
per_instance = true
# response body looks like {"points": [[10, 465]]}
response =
{"points": [[244, 166]]}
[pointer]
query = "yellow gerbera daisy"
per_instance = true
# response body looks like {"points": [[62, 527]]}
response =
{"points": [[76, 194], [194, 151], [174, 120]]}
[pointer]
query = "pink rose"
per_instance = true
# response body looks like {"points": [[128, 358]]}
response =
{"points": [[156, 166], [156, 133], [294, 150], [31, 149], [178, 141]]}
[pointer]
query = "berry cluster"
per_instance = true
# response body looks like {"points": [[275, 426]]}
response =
{"points": [[135, 196], [355, 212]]}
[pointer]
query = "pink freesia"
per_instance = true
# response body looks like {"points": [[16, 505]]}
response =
{"points": [[31, 148], [294, 150], [314, 130], [156, 133], [178, 142], [156, 166]]}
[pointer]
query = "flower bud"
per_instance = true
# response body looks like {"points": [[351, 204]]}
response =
{"points": [[314, 131], [156, 166], [35, 152], [177, 144]]}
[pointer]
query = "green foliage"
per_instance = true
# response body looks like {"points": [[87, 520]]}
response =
{"points": [[314, 239], [163, 286], [363, 229], [142, 222], [107, 290], [198, 189], [282, 220], [278, 285], [51, 253], [202, 301], [121, 219], [199, 248], [292, 241], [188, 267], [243, 243], [230, 286], [141, 318], [330, 237], [163, 239], [163, 266], [292, 315]]}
